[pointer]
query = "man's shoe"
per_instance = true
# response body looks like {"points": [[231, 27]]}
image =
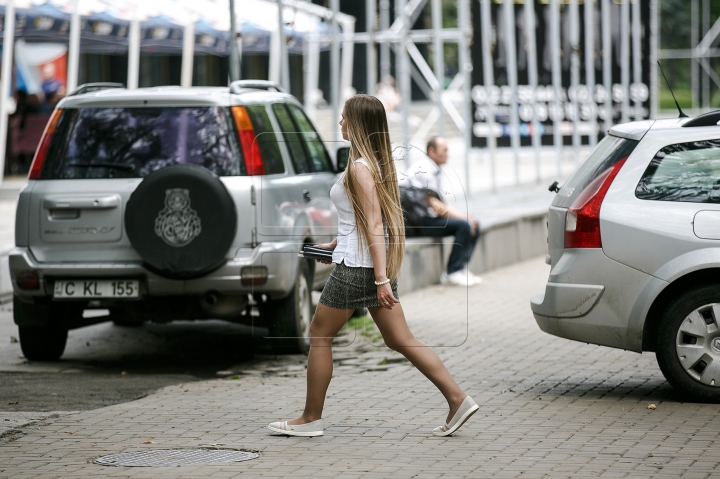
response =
{"points": [[472, 279], [444, 278], [309, 429], [460, 278]]}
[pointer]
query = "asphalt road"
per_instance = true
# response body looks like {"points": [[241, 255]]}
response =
{"points": [[106, 364]]}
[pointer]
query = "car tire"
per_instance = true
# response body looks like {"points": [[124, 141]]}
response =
{"points": [[43, 343], [688, 343], [289, 318]]}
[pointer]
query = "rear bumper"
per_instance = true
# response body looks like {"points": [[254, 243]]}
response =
{"points": [[592, 298], [280, 259]]}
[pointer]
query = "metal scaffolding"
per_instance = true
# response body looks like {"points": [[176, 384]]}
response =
{"points": [[386, 32], [704, 37]]}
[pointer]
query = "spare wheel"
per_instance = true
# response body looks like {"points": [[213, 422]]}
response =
{"points": [[181, 220]]}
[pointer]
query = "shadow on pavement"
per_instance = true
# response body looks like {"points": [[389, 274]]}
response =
{"points": [[196, 348], [651, 388], [105, 364]]}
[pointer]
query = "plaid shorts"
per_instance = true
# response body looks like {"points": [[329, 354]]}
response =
{"points": [[352, 288]]}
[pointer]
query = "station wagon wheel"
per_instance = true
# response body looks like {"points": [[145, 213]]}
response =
{"points": [[289, 318], [688, 349]]}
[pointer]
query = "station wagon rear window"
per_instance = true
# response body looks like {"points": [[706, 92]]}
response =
{"points": [[686, 172], [134, 142], [608, 152]]}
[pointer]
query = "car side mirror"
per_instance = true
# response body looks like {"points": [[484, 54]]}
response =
{"points": [[341, 158]]}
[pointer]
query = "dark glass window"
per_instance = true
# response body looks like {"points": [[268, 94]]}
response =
{"points": [[293, 139], [608, 152], [267, 139], [319, 158], [688, 172], [134, 142]]}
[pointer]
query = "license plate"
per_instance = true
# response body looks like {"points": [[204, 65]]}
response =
{"points": [[97, 288]]}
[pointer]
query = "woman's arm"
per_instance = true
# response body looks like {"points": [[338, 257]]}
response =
{"points": [[330, 245], [370, 205]]}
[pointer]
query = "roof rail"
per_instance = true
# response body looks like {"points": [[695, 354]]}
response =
{"points": [[238, 85], [706, 119], [90, 87]]}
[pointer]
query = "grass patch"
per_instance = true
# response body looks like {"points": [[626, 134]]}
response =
{"points": [[365, 326]]}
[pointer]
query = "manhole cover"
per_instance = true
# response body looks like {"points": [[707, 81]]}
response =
{"points": [[175, 457]]}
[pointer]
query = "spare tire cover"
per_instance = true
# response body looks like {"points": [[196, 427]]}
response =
{"points": [[181, 220]]}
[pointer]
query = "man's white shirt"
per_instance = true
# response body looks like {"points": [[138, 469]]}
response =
{"points": [[425, 173]]}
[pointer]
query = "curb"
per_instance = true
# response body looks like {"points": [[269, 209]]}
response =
{"points": [[502, 242]]}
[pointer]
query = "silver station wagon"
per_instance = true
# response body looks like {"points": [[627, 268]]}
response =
{"points": [[634, 246], [168, 203]]}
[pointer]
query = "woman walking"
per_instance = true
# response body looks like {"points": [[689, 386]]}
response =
{"points": [[368, 253]]}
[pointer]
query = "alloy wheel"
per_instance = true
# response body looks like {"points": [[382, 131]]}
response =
{"points": [[698, 344]]}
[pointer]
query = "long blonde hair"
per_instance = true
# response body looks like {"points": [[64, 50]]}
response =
{"points": [[369, 139]]}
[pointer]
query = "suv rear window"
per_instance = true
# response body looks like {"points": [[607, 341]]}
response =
{"points": [[688, 172], [608, 152], [134, 142]]}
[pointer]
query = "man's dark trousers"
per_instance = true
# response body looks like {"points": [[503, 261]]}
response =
{"points": [[465, 240]]}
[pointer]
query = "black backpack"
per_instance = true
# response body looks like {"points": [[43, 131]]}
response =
{"points": [[414, 203]]}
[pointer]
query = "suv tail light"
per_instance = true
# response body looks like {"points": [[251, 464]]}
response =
{"points": [[44, 146], [582, 220], [246, 133], [27, 280]]}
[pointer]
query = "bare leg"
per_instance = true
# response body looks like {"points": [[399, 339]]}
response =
{"points": [[325, 325], [397, 336]]}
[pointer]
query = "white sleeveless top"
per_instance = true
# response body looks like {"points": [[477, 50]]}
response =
{"points": [[348, 249]]}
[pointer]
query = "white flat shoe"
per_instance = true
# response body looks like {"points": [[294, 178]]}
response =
{"points": [[310, 429], [466, 409]]}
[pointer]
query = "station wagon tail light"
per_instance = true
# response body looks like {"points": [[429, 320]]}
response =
{"points": [[582, 220], [42, 150], [246, 133]]}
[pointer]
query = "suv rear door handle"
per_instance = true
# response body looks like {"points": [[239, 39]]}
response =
{"points": [[86, 203], [306, 196]]}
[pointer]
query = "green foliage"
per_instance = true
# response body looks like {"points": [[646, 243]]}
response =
{"points": [[450, 50], [675, 33], [365, 326]]}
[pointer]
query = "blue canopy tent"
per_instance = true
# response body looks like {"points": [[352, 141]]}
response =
{"points": [[257, 40], [103, 33]]}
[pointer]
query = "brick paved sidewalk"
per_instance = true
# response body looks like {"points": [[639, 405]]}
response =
{"points": [[549, 408]]}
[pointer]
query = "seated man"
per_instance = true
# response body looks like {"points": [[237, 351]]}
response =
{"points": [[442, 219]]}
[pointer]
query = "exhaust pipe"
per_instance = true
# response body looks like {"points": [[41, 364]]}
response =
{"points": [[211, 298]]}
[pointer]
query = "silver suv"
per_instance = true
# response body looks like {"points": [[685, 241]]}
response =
{"points": [[168, 203], [634, 246]]}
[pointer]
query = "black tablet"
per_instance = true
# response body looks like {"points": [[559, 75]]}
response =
{"points": [[313, 252]]}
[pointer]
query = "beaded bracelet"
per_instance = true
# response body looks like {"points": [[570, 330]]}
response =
{"points": [[380, 283]]}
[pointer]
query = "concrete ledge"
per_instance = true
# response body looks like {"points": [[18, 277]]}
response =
{"points": [[501, 243]]}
